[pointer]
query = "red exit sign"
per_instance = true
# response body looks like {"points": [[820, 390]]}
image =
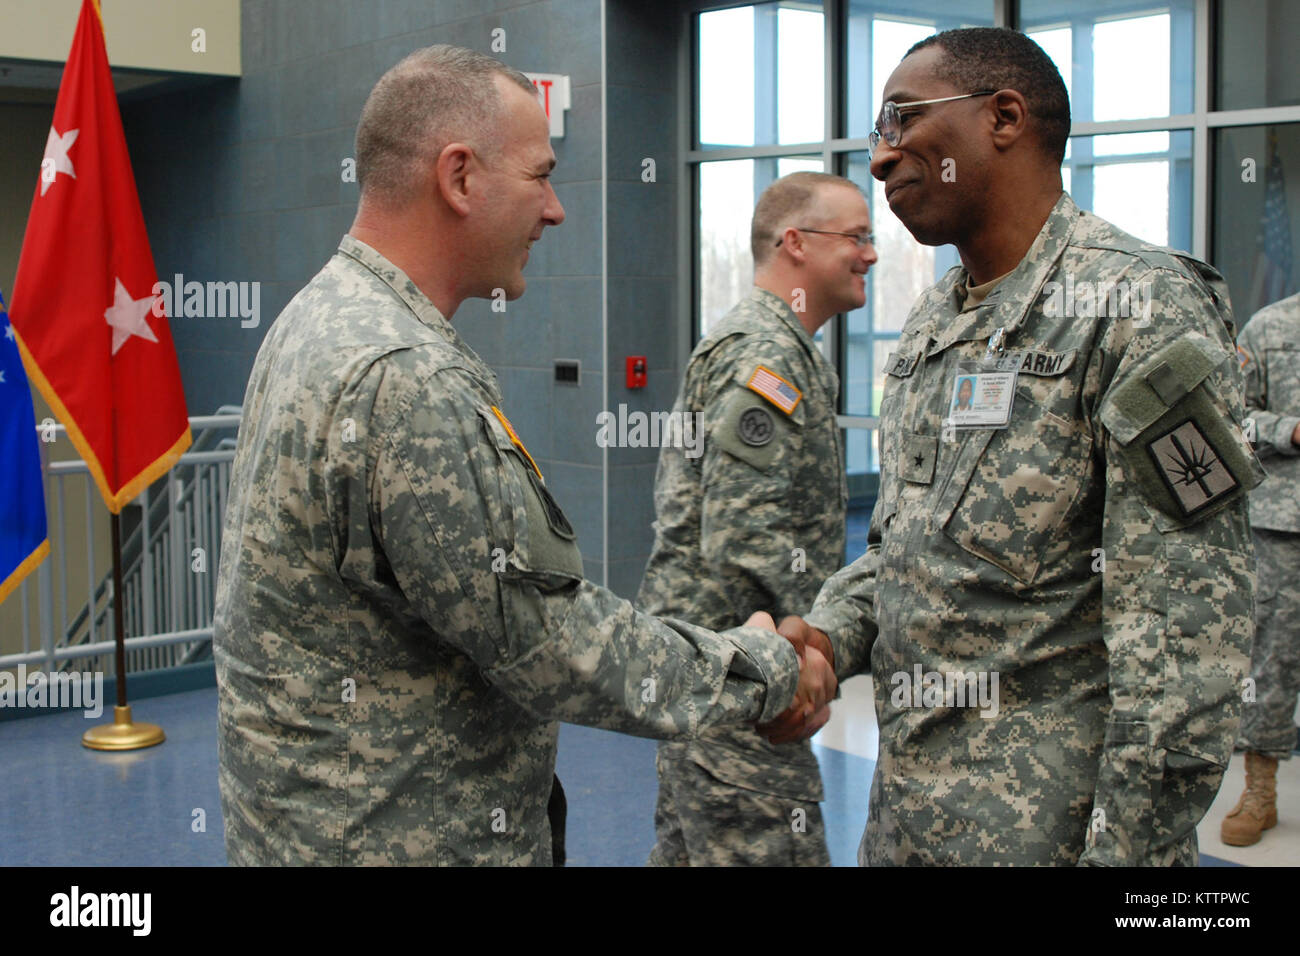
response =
{"points": [[554, 95]]}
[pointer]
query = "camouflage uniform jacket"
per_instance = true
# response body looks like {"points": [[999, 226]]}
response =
{"points": [[1103, 577], [757, 521], [401, 616], [1269, 350]]}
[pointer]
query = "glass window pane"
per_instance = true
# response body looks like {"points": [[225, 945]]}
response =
{"points": [[1125, 144], [761, 74], [861, 457], [1255, 54], [906, 268], [1130, 68], [1120, 59], [1146, 192], [1256, 228], [726, 81], [879, 34], [1058, 43], [728, 191]]}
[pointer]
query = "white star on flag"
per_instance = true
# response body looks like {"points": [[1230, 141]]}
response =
{"points": [[56, 148], [9, 332], [127, 316]]}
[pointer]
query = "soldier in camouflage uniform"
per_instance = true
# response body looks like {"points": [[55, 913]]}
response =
{"points": [[1269, 352], [401, 611], [1055, 603], [757, 521]]}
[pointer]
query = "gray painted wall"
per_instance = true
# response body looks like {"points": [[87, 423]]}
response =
{"points": [[241, 180]]}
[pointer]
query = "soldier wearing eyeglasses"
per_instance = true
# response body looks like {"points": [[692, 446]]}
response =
{"points": [[1081, 535], [757, 521]]}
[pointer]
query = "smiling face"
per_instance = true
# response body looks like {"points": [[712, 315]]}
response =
{"points": [[836, 266], [516, 198], [934, 211]]}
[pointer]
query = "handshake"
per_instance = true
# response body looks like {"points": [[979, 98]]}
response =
{"points": [[817, 683]]}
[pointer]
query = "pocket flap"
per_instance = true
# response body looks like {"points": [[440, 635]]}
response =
{"points": [[1158, 384]]}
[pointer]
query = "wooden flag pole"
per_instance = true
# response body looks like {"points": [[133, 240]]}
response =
{"points": [[122, 733]]}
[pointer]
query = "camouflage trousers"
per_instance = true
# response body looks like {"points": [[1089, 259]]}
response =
{"points": [[1268, 723], [701, 821]]}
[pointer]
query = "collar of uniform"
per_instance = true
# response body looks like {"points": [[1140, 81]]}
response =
{"points": [[1011, 301], [781, 310], [424, 310], [397, 280]]}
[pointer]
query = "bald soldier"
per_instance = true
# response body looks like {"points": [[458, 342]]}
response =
{"points": [[401, 614], [757, 521], [1055, 602]]}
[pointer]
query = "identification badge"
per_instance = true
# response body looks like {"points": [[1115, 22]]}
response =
{"points": [[981, 398], [983, 392]]}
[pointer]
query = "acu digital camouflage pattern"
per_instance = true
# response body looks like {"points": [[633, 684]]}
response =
{"points": [[383, 529], [1268, 721], [729, 523], [1119, 691], [1269, 352], [1269, 347]]}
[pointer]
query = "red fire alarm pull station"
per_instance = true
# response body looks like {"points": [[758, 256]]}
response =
{"points": [[636, 371]]}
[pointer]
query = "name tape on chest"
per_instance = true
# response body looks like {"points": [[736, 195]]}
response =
{"points": [[775, 389], [1033, 362]]}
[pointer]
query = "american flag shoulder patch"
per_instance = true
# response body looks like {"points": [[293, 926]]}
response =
{"points": [[775, 389]]}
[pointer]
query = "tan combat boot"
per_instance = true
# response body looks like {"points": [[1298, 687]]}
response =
{"points": [[1256, 811]]}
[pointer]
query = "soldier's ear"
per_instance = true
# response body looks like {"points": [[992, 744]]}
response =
{"points": [[792, 244], [1010, 117], [452, 172]]}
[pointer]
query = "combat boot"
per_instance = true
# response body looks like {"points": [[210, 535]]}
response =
{"points": [[1256, 811]]}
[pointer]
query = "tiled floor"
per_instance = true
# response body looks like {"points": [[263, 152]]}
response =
{"points": [[61, 804]]}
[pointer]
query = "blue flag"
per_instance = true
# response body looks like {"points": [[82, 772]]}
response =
{"points": [[23, 539]]}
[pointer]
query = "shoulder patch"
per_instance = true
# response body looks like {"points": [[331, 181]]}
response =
{"points": [[755, 426], [1243, 358], [749, 430], [1179, 440], [514, 438], [774, 388], [1191, 467]]}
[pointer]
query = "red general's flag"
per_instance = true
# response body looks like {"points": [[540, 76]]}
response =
{"points": [[84, 291]]}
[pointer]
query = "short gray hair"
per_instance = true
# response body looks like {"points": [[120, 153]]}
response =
{"points": [[789, 196], [437, 95]]}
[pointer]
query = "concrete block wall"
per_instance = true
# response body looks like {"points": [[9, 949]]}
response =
{"points": [[241, 180]]}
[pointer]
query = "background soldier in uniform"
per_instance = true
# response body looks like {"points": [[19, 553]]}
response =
{"points": [[401, 613], [1269, 350], [758, 520], [1086, 542]]}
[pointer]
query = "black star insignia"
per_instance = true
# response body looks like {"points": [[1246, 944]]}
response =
{"points": [[919, 460]]}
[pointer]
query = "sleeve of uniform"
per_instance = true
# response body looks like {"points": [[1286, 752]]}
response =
{"points": [[488, 560], [1273, 428], [751, 453], [845, 608], [1178, 575]]}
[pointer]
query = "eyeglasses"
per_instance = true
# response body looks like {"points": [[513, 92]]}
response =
{"points": [[862, 239], [889, 124]]}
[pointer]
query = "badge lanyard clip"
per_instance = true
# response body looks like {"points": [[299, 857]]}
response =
{"points": [[996, 346]]}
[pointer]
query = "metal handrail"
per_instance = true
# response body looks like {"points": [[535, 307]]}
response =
{"points": [[164, 603]]}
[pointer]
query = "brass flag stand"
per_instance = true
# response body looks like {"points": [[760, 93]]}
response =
{"points": [[122, 733]]}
